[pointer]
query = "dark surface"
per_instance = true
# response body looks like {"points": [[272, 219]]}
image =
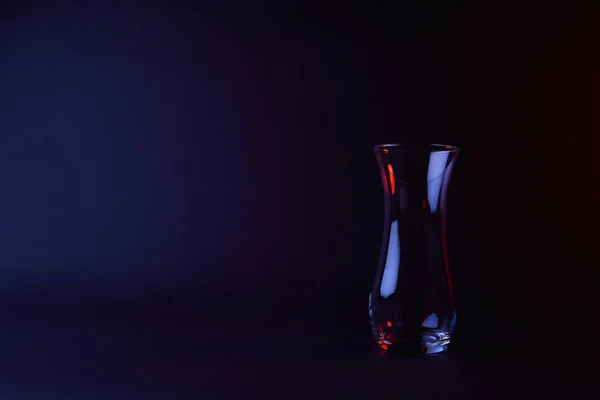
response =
{"points": [[95, 359]]}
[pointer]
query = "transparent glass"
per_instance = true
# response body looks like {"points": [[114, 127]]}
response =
{"points": [[411, 305]]}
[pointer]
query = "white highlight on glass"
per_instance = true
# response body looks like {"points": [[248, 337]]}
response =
{"points": [[434, 349], [392, 264], [435, 177], [431, 321]]}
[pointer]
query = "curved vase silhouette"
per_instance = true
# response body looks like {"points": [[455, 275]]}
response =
{"points": [[411, 305]]}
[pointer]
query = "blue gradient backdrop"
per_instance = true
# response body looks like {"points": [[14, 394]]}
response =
{"points": [[218, 150]]}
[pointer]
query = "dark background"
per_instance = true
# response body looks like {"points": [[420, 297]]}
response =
{"points": [[211, 165]]}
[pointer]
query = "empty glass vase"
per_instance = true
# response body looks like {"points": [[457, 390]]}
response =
{"points": [[411, 305]]}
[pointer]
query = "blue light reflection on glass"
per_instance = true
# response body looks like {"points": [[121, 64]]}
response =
{"points": [[390, 272], [435, 177]]}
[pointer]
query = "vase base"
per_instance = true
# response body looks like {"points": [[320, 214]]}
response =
{"points": [[428, 342], [412, 349]]}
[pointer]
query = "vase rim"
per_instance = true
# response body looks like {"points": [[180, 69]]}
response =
{"points": [[404, 147]]}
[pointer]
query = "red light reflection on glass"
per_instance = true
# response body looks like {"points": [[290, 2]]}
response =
{"points": [[383, 346], [389, 323], [392, 179], [383, 177], [445, 252]]}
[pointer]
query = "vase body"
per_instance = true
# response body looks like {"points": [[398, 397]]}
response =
{"points": [[411, 305]]}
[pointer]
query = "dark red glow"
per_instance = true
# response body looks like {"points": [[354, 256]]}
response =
{"points": [[424, 204], [383, 346], [446, 264], [389, 324]]}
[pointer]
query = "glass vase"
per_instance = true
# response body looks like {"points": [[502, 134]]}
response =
{"points": [[411, 305]]}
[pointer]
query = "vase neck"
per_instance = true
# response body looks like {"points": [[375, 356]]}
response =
{"points": [[415, 181]]}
